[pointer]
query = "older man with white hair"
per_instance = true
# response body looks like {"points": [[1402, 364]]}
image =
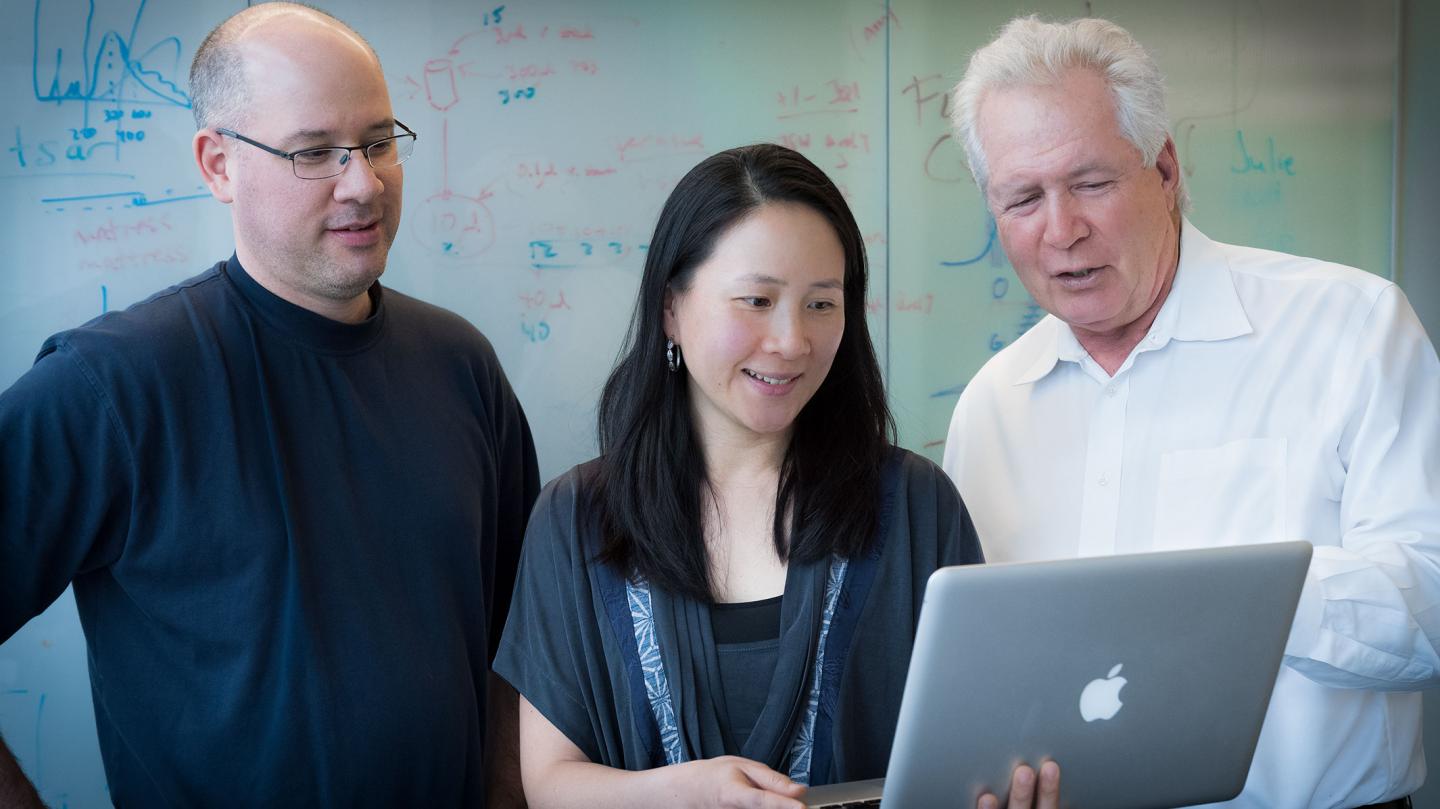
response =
{"points": [[1187, 393]]}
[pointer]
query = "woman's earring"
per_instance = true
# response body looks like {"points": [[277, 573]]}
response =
{"points": [[673, 360]]}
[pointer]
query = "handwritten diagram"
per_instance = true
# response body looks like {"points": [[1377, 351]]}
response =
{"points": [[105, 75], [99, 89]]}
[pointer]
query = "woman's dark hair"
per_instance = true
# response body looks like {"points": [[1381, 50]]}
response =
{"points": [[651, 471]]}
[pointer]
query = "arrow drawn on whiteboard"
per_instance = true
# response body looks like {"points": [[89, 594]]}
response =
{"points": [[456, 225]]}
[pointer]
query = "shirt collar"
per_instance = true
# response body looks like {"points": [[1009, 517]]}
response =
{"points": [[1050, 335], [1202, 306], [304, 326]]}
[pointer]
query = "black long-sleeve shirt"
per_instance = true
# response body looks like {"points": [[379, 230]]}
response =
{"points": [[292, 541]]}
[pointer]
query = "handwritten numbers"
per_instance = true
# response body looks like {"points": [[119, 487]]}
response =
{"points": [[506, 96], [538, 332]]}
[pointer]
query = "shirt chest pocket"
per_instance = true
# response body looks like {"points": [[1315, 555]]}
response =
{"points": [[1233, 494]]}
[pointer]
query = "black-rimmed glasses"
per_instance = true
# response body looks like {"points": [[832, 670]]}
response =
{"points": [[330, 161]]}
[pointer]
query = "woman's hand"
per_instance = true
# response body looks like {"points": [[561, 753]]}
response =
{"points": [[731, 782], [1025, 793], [557, 775]]}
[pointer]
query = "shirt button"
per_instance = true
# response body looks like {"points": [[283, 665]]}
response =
{"points": [[1110, 391], [1104, 481]]}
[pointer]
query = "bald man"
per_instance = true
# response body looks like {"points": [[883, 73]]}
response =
{"points": [[290, 501]]}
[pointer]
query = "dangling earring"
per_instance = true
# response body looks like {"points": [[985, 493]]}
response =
{"points": [[673, 360]]}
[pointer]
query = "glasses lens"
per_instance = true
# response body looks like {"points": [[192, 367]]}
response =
{"points": [[317, 164], [391, 151]]}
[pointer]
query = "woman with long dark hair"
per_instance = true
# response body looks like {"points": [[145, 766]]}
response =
{"points": [[732, 586]]}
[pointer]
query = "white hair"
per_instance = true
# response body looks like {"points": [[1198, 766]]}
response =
{"points": [[1029, 52]]}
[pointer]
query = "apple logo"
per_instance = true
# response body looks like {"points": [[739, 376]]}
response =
{"points": [[1101, 698]]}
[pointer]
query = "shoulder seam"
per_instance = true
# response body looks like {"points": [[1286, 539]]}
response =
{"points": [[111, 415]]}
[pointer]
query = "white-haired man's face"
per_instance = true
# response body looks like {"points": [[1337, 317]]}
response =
{"points": [[1090, 230]]}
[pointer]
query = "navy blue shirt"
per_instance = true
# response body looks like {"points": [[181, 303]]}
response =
{"points": [[292, 541]]}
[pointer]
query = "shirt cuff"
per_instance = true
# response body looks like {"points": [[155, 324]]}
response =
{"points": [[1305, 629]]}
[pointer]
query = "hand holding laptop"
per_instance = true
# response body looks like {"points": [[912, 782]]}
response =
{"points": [[1194, 637], [732, 782], [1025, 793]]}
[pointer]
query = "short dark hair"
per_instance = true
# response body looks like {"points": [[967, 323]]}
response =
{"points": [[651, 473], [218, 89]]}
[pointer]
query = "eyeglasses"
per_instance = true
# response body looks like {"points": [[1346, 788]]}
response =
{"points": [[330, 161]]}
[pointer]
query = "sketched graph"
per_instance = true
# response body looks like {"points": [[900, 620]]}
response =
{"points": [[108, 76], [84, 62]]}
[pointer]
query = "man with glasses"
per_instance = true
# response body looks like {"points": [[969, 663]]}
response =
{"points": [[290, 501]]}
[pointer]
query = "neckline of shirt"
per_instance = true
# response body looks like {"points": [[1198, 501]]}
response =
{"points": [[1202, 305], [303, 326]]}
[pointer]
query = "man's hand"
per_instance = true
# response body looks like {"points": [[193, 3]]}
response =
{"points": [[503, 789], [1025, 793], [16, 791]]}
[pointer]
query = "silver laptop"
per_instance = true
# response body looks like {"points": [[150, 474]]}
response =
{"points": [[1145, 676]]}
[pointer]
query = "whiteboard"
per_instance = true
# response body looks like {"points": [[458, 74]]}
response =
{"points": [[550, 134]]}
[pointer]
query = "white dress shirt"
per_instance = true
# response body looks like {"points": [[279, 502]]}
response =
{"points": [[1274, 398]]}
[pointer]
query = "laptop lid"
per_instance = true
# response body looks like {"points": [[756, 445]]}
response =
{"points": [[1145, 676]]}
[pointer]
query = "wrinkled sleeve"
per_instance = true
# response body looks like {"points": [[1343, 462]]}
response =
{"points": [[1369, 616], [516, 490], [66, 483], [953, 461], [959, 542], [543, 651]]}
